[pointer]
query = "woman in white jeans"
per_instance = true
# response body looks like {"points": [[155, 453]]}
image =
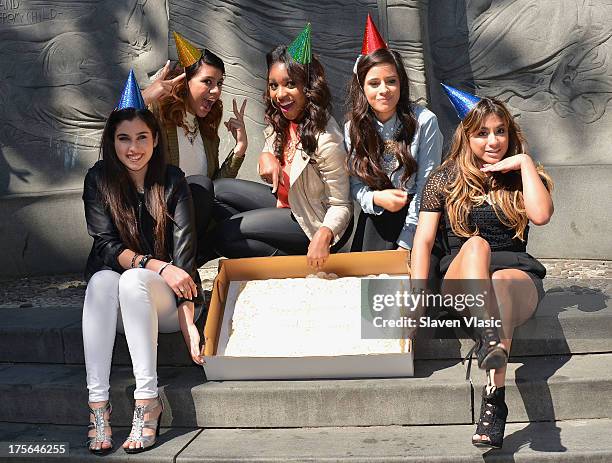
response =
{"points": [[141, 272]]}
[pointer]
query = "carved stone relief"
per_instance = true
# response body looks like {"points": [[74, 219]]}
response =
{"points": [[550, 61], [62, 66], [405, 36]]}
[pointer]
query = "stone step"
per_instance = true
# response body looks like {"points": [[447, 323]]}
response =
{"points": [[573, 318], [577, 441], [555, 387], [25, 392], [541, 388]]}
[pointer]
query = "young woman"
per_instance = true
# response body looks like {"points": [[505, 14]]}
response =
{"points": [[483, 197], [308, 209], [141, 269], [187, 102], [393, 146]]}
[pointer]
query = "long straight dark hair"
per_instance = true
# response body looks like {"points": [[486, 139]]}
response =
{"points": [[367, 146], [119, 192], [316, 114]]}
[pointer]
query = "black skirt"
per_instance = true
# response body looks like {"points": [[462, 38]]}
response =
{"points": [[508, 260], [378, 232]]}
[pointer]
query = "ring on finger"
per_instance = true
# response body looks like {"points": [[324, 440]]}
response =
{"points": [[181, 290]]}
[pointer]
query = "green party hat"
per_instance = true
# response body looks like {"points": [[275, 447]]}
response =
{"points": [[300, 49]]}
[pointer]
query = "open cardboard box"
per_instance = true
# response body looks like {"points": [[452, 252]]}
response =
{"points": [[219, 367]]}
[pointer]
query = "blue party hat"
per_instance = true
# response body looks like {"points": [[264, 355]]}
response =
{"points": [[463, 102], [131, 96]]}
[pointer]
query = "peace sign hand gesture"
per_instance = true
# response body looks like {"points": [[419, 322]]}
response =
{"points": [[235, 125], [161, 86]]}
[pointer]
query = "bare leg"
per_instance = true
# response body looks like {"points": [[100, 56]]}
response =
{"points": [[517, 299]]}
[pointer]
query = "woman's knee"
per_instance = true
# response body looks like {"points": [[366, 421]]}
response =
{"points": [[137, 286], [476, 246], [200, 180], [103, 281], [103, 286], [223, 186], [135, 283]]}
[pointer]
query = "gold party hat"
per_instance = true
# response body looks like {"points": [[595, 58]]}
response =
{"points": [[187, 53]]}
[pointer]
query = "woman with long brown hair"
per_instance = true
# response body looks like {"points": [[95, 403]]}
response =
{"points": [[141, 270], [393, 146], [482, 198], [307, 210], [187, 101]]}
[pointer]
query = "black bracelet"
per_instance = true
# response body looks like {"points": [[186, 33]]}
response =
{"points": [[163, 267], [134, 259], [144, 260]]}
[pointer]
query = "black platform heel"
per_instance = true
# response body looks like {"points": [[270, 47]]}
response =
{"points": [[490, 353], [493, 416]]}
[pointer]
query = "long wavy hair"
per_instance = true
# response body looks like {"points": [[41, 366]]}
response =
{"points": [[468, 186], [119, 193], [316, 114], [367, 146], [174, 107]]}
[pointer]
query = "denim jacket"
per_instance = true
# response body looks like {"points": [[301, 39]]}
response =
{"points": [[426, 148]]}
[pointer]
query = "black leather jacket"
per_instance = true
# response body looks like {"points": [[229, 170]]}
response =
{"points": [[107, 244]]}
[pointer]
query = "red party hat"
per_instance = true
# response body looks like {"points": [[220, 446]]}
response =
{"points": [[372, 40]]}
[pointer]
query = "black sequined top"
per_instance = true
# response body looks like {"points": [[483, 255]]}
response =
{"points": [[490, 227]]}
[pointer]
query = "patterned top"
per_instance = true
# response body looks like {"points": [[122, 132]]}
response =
{"points": [[387, 131], [482, 217]]}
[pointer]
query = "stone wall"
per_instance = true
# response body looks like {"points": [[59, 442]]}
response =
{"points": [[62, 65]]}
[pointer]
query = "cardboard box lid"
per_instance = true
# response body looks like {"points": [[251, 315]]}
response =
{"points": [[261, 268]]}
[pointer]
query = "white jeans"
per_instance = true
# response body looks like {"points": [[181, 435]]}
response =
{"points": [[138, 303]]}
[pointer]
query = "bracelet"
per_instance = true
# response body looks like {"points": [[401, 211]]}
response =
{"points": [[134, 259], [163, 267], [144, 260]]}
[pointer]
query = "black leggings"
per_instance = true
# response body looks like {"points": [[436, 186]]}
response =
{"points": [[250, 224], [203, 193]]}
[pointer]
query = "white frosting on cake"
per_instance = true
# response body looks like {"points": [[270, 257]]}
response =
{"points": [[295, 317]]}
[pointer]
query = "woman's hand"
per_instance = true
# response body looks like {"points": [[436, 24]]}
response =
{"points": [[515, 162], [391, 200], [161, 87], [235, 125], [181, 283], [192, 339], [318, 249], [270, 170], [191, 335]]}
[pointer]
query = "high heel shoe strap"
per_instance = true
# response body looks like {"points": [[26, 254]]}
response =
{"points": [[139, 423], [100, 424]]}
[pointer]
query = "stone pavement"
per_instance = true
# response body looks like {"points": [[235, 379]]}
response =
{"points": [[69, 290]]}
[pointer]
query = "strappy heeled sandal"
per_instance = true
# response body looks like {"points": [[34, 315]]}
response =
{"points": [[139, 423], [100, 425], [490, 353], [493, 416]]}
